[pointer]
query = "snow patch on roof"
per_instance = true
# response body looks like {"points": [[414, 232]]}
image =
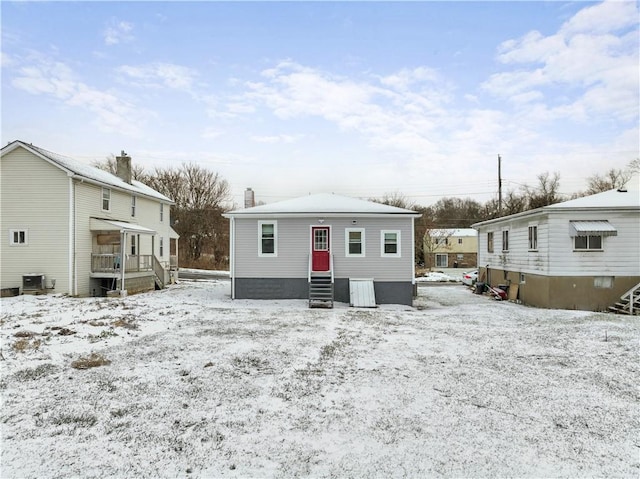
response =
{"points": [[453, 232], [323, 204], [93, 173], [627, 197]]}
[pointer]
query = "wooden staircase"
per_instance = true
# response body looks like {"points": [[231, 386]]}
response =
{"points": [[159, 273], [629, 302]]}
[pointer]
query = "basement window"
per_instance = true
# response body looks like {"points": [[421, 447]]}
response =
{"points": [[603, 282]]}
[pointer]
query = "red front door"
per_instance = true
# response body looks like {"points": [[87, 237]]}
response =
{"points": [[320, 248]]}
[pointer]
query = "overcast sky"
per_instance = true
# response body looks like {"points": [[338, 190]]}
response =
{"points": [[356, 98]]}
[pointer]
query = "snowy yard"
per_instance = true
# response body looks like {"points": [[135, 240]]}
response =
{"points": [[196, 385]]}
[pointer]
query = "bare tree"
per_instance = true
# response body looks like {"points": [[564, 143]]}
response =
{"points": [[546, 193], [109, 164], [612, 179], [435, 240]]}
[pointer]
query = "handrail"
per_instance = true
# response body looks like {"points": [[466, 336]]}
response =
{"points": [[632, 296], [309, 271], [158, 269], [331, 267]]}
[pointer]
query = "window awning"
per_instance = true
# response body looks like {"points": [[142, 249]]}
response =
{"points": [[592, 228], [96, 224]]}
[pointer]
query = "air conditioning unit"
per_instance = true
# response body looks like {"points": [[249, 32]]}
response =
{"points": [[33, 282]]}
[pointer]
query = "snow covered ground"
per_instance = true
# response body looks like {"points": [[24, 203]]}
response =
{"points": [[196, 385]]}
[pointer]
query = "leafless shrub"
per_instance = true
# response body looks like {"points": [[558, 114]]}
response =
{"points": [[127, 323], [83, 419], [31, 374], [94, 360], [24, 334], [26, 344]]}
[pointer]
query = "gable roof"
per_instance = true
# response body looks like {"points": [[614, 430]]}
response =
{"points": [[457, 232], [627, 198], [322, 204], [87, 172]]}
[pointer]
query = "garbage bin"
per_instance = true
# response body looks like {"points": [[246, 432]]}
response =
{"points": [[479, 287]]}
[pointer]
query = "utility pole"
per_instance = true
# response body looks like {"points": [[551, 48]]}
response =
{"points": [[499, 186]]}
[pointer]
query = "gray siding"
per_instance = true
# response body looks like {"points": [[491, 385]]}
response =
{"points": [[294, 245]]}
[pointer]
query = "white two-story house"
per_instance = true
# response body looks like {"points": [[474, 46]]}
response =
{"points": [[68, 227]]}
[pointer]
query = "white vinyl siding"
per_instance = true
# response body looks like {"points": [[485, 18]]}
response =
{"points": [[294, 247], [44, 218], [556, 254]]}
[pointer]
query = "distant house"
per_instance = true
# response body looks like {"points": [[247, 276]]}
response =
{"points": [[579, 254], [71, 228], [450, 248], [323, 247]]}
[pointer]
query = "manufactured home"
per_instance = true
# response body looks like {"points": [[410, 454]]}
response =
{"points": [[323, 247], [580, 254], [68, 227]]}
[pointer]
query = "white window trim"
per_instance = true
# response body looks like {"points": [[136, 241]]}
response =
{"points": [[161, 212], [275, 238], [535, 248], [491, 244], [390, 255], [505, 250], [133, 205], [588, 249], [161, 247], [446, 260], [102, 199], [18, 230], [362, 242]]}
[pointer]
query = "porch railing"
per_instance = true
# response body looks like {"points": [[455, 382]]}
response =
{"points": [[111, 263]]}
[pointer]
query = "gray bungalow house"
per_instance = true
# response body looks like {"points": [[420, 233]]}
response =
{"points": [[323, 248]]}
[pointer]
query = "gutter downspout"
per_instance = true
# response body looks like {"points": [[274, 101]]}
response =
{"points": [[123, 256], [232, 256], [70, 263]]}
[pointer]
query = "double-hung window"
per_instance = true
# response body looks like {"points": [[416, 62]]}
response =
{"points": [[268, 240], [390, 243], [505, 240], [354, 242], [533, 238], [161, 212], [133, 205], [106, 199], [18, 237], [161, 246], [490, 242]]}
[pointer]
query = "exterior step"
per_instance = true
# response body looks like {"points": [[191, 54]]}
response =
{"points": [[321, 290]]}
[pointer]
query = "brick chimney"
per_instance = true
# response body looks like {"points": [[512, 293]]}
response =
{"points": [[123, 167], [249, 198]]}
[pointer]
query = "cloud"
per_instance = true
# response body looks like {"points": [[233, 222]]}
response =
{"points": [[394, 111], [156, 75], [274, 139], [118, 31], [595, 53], [57, 80]]}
